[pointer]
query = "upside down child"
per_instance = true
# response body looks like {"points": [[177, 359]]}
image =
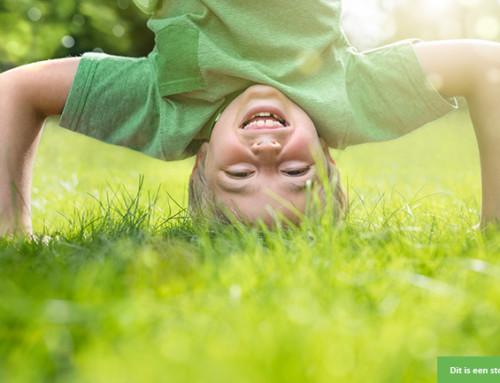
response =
{"points": [[258, 91]]}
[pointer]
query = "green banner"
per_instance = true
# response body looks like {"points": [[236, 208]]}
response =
{"points": [[468, 369]]}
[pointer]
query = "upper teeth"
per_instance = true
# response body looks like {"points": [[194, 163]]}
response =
{"points": [[269, 122]]}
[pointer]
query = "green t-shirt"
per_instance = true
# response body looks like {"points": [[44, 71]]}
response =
{"points": [[209, 51]]}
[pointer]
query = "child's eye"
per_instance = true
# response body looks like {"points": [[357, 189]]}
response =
{"points": [[239, 174], [297, 172]]}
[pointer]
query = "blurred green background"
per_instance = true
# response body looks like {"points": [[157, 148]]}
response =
{"points": [[32, 30]]}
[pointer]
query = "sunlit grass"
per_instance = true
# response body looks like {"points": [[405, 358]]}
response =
{"points": [[132, 292], [73, 171]]}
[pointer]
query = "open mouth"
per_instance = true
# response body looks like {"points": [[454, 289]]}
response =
{"points": [[264, 120]]}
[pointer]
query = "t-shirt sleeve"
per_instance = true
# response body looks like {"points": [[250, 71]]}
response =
{"points": [[390, 94], [115, 99]]}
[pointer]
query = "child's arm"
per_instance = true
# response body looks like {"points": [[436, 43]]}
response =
{"points": [[471, 69], [28, 95]]}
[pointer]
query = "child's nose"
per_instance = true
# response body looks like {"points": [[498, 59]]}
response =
{"points": [[266, 146]]}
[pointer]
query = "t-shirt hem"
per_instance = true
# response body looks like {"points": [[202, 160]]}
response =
{"points": [[437, 104], [80, 89]]}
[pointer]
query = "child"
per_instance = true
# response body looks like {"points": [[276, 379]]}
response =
{"points": [[257, 90]]}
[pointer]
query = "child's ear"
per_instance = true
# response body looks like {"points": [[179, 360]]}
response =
{"points": [[203, 147], [201, 153]]}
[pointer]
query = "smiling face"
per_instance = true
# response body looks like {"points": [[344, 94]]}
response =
{"points": [[261, 155]]}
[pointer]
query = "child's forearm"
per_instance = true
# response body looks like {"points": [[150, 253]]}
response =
{"points": [[484, 106], [472, 69], [28, 95]]}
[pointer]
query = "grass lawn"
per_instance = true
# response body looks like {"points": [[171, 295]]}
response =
{"points": [[132, 293]]}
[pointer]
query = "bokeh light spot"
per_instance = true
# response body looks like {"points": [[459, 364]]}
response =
{"points": [[79, 20], [34, 14], [68, 41], [118, 30], [235, 291], [13, 47], [487, 27], [368, 23], [123, 4], [57, 311]]}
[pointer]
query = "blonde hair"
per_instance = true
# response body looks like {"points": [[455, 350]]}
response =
{"points": [[203, 201]]}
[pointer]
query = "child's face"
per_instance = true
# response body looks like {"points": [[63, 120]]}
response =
{"points": [[261, 155]]}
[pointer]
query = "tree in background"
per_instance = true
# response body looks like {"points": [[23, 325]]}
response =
{"points": [[42, 29]]}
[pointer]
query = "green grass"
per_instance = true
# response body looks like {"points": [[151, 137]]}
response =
{"points": [[131, 292]]}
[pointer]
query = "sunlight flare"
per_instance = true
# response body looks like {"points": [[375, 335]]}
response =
{"points": [[435, 8], [487, 27]]}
